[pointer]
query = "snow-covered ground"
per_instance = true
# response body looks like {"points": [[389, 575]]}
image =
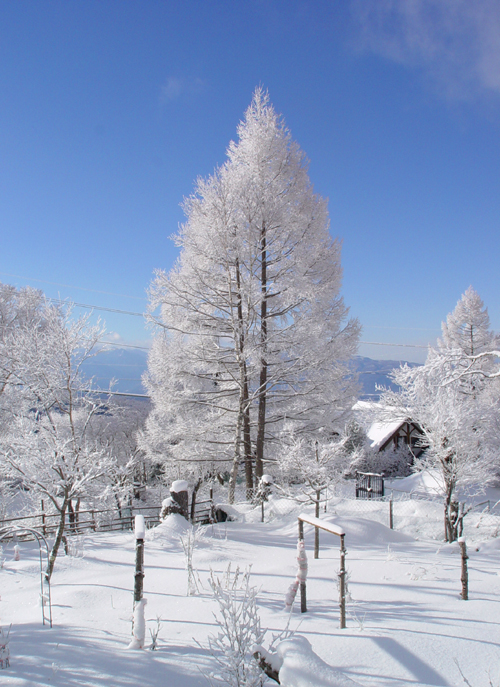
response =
{"points": [[406, 623]]}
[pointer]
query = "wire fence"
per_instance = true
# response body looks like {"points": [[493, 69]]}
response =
{"points": [[420, 516], [417, 515]]}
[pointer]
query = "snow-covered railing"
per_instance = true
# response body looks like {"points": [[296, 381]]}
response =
{"points": [[85, 520], [339, 532]]}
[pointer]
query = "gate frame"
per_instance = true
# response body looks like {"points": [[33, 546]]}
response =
{"points": [[339, 532], [5, 532]]}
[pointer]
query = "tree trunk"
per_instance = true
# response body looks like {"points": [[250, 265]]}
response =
{"points": [[261, 417], [316, 529], [236, 459], [71, 516], [58, 539], [244, 405], [451, 516]]}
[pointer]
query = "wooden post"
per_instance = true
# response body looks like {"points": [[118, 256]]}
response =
{"points": [[140, 532], [44, 529], [262, 510], [303, 594], [465, 575], [342, 582], [93, 521], [391, 515]]}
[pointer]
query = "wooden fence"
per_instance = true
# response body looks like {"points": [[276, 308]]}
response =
{"points": [[105, 520]]}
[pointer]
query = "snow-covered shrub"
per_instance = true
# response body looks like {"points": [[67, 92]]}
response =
{"points": [[189, 540], [4, 648], [396, 462], [239, 630], [154, 634]]}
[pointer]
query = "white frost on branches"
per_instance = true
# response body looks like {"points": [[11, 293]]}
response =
{"points": [[251, 326], [455, 404], [239, 630]]}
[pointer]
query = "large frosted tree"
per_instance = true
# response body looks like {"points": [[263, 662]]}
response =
{"points": [[253, 329], [47, 408]]}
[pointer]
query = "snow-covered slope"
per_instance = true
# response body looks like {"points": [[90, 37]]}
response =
{"points": [[406, 624]]}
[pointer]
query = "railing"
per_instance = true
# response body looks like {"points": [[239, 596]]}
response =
{"points": [[95, 520], [203, 512]]}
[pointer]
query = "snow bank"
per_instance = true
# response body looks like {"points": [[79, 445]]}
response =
{"points": [[170, 528], [362, 532], [429, 482], [301, 667]]}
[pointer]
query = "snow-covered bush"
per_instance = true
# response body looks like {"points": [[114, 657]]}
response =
{"points": [[393, 462], [239, 630], [189, 540]]}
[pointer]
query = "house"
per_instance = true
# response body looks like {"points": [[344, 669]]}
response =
{"points": [[387, 434]]}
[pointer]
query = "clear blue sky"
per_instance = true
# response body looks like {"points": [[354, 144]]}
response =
{"points": [[110, 109]]}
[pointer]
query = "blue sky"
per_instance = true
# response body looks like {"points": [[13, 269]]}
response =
{"points": [[111, 109]]}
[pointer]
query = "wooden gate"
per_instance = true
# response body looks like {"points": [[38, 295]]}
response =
{"points": [[369, 485]]}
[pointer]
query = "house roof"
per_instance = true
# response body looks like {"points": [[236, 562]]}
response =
{"points": [[378, 432]]}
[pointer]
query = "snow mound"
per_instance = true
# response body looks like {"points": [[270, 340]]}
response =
{"points": [[301, 667], [361, 531], [426, 482], [491, 546], [170, 528]]}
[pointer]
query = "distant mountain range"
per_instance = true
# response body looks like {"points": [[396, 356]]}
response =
{"points": [[127, 365]]}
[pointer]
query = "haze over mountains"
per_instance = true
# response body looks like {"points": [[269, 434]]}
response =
{"points": [[126, 366]]}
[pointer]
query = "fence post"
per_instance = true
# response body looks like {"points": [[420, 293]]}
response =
{"points": [[140, 533], [93, 521], [391, 515], [44, 529], [465, 575], [303, 596], [342, 582]]}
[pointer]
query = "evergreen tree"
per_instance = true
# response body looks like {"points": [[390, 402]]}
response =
{"points": [[254, 329]]}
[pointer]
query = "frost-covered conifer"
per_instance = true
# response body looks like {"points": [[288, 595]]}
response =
{"points": [[252, 327], [455, 404]]}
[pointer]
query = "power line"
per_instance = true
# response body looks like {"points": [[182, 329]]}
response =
{"points": [[95, 307], [406, 329], [114, 393], [78, 288], [124, 345], [379, 343]]}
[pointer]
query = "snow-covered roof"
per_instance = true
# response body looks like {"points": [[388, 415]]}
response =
{"points": [[377, 432], [380, 432]]}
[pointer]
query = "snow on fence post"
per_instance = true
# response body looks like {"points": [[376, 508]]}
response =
{"points": [[139, 623], [391, 514], [263, 492], [302, 578], [140, 533], [180, 498], [464, 578]]}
